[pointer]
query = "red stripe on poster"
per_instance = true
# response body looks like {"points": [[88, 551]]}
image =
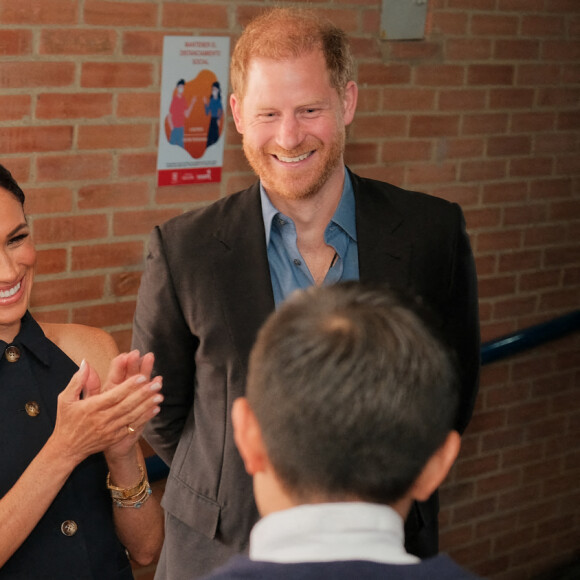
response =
{"points": [[185, 176]]}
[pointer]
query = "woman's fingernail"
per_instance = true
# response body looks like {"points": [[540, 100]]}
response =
{"points": [[155, 386], [83, 365], [156, 410], [141, 379], [158, 398]]}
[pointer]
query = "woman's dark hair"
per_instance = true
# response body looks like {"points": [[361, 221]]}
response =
{"points": [[8, 183]]}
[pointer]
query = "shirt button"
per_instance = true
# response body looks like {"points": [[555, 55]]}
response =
{"points": [[69, 528], [297, 262], [32, 408], [12, 353]]}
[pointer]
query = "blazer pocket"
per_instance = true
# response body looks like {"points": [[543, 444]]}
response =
{"points": [[193, 509]]}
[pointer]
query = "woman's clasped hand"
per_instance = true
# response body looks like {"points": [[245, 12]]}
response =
{"points": [[92, 417]]}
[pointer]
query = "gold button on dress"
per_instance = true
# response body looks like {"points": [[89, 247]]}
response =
{"points": [[12, 354], [32, 408], [69, 527]]}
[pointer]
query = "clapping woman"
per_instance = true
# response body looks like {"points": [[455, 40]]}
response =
{"points": [[74, 497]]}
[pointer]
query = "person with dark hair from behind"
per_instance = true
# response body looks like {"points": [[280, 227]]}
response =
{"points": [[348, 418]]}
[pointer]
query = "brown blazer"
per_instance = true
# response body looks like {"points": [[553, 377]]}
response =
{"points": [[206, 291]]}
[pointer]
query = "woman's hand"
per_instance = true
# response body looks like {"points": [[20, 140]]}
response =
{"points": [[122, 368], [88, 420], [99, 421]]}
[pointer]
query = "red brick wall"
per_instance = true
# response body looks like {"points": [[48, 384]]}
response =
{"points": [[485, 111]]}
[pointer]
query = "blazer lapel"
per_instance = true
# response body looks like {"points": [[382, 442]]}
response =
{"points": [[384, 256], [241, 269]]}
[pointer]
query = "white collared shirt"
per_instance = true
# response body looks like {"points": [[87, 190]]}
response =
{"points": [[329, 532]]}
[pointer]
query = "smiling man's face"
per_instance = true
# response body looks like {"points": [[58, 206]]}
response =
{"points": [[293, 124]]}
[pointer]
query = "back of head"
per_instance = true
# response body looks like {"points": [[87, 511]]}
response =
{"points": [[8, 183], [282, 33], [352, 392]]}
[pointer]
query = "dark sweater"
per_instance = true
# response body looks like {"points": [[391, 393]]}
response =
{"points": [[438, 568]]}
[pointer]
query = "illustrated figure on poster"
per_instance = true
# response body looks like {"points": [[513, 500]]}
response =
{"points": [[178, 112], [214, 107]]}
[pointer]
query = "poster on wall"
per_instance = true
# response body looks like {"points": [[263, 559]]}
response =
{"points": [[194, 88]]}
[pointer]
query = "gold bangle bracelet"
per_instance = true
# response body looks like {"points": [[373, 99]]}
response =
{"points": [[121, 493]]}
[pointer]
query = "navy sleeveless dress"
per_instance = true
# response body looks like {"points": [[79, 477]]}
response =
{"points": [[76, 536]]}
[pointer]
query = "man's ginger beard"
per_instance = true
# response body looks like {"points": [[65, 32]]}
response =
{"points": [[306, 183]]}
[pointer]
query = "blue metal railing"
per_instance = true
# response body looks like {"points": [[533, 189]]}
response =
{"points": [[521, 340], [491, 351]]}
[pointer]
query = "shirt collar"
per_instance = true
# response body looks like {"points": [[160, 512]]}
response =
{"points": [[344, 216], [269, 212], [331, 532]]}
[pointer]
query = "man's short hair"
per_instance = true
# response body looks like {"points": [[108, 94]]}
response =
{"points": [[282, 33], [353, 393]]}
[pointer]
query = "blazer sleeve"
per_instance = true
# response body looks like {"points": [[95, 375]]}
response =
{"points": [[461, 325], [159, 327]]}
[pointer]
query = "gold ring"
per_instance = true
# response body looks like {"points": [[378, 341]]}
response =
{"points": [[130, 429]]}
